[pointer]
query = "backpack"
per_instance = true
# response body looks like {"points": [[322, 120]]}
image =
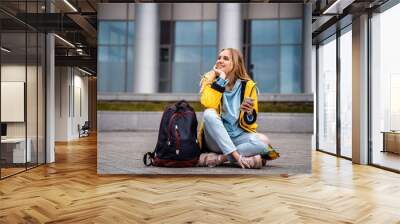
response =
{"points": [[177, 144]]}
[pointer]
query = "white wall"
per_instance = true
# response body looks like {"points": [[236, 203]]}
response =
{"points": [[33, 126], [80, 110], [71, 102], [61, 103], [12, 73]]}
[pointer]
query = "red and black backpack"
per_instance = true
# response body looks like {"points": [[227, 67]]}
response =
{"points": [[177, 144]]}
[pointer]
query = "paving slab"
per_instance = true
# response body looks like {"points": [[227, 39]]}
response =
{"points": [[122, 153]]}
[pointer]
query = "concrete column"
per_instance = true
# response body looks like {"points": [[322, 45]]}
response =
{"points": [[64, 104], [360, 90], [92, 86], [50, 92], [307, 48], [147, 26], [230, 26]]}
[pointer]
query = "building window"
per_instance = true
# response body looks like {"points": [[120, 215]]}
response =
{"points": [[166, 34], [115, 56], [194, 53], [327, 95], [385, 89], [274, 54], [346, 92]]}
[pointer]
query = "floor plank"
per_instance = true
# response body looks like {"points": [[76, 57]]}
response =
{"points": [[70, 191]]}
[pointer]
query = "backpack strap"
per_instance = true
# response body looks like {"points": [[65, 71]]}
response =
{"points": [[149, 156], [243, 88]]}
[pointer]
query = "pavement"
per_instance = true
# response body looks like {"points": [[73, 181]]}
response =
{"points": [[121, 152]]}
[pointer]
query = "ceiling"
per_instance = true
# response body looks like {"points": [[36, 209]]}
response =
{"points": [[77, 25], [331, 15]]}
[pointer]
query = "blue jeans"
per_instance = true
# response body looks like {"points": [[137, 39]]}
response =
{"points": [[218, 140]]}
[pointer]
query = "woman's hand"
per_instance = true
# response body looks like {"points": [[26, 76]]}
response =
{"points": [[219, 72], [247, 105]]}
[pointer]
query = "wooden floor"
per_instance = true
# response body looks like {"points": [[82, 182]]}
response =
{"points": [[10, 171], [70, 191]]}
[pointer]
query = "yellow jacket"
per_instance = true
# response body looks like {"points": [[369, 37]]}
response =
{"points": [[211, 97]]}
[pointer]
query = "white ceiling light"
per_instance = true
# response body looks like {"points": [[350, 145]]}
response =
{"points": [[5, 50], [338, 6], [86, 72], [79, 51], [70, 5], [65, 41]]}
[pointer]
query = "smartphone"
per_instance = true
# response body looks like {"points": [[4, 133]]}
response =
{"points": [[249, 100]]}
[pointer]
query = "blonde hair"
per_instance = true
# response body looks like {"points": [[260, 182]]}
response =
{"points": [[238, 68], [238, 64]]}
